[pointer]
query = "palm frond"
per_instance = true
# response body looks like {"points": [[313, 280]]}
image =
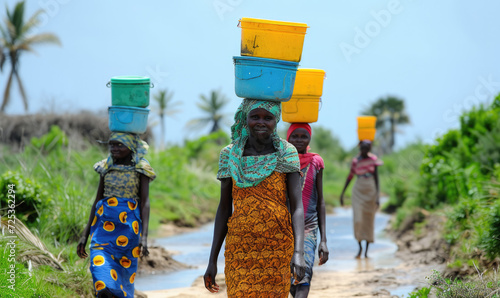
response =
{"points": [[32, 22], [42, 38], [35, 250], [198, 123], [212, 106], [204, 107], [171, 112], [11, 29], [164, 103], [16, 19], [4, 35]]}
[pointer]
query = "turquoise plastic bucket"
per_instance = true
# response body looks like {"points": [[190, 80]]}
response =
{"points": [[130, 91], [264, 79], [128, 119]]}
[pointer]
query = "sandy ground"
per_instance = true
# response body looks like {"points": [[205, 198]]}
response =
{"points": [[420, 254], [360, 283]]}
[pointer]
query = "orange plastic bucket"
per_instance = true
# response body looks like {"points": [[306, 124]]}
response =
{"points": [[309, 82], [366, 133], [300, 110], [272, 39], [367, 121]]}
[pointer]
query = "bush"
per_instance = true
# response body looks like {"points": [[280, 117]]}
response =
{"points": [[463, 159], [55, 139], [491, 241], [461, 217], [473, 287], [29, 196], [207, 147]]}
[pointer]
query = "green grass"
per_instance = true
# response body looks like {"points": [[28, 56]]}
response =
{"points": [[45, 281], [474, 286]]}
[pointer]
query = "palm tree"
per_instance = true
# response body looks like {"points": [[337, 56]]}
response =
{"points": [[15, 39], [165, 108], [212, 106], [390, 109]]}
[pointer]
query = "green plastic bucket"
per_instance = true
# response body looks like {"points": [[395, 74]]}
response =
{"points": [[131, 91]]}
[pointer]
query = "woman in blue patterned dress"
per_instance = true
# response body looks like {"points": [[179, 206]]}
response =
{"points": [[118, 221]]}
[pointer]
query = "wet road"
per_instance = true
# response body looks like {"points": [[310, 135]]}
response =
{"points": [[194, 248]]}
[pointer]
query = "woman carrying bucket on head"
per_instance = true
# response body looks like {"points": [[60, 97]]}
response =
{"points": [[311, 166], [118, 221], [365, 194], [258, 171]]}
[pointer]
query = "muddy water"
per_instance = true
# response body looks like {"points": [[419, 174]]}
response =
{"points": [[193, 248]]}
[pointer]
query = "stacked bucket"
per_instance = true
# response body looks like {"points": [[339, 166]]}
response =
{"points": [[366, 127], [303, 107], [268, 68], [129, 101]]}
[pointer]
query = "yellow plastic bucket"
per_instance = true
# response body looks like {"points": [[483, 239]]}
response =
{"points": [[272, 39], [308, 82], [300, 110], [366, 133], [367, 121]]}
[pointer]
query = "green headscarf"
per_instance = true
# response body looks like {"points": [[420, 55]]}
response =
{"points": [[249, 171], [139, 149]]}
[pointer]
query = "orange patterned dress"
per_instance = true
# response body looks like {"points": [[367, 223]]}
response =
{"points": [[259, 242]]}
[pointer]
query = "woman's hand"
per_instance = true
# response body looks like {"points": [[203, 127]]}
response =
{"points": [[80, 249], [298, 266], [209, 278], [323, 253], [143, 246]]}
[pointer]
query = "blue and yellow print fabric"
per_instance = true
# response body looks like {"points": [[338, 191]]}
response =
{"points": [[114, 245]]}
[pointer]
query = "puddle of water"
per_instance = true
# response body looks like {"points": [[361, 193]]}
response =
{"points": [[403, 291], [194, 250]]}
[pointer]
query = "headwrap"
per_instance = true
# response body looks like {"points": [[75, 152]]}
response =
{"points": [[249, 171], [306, 158], [294, 126], [366, 141], [138, 147]]}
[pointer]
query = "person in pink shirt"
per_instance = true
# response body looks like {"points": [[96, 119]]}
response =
{"points": [[365, 194], [311, 167]]}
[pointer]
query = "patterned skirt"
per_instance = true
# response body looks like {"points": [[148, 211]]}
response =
{"points": [[114, 246], [259, 242]]}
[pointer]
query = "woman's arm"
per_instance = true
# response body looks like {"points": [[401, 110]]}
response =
{"points": [[343, 190], [321, 210], [145, 208], [348, 180], [224, 211], [80, 249], [375, 175], [298, 264]]}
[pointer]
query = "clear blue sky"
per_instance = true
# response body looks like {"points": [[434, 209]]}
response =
{"points": [[439, 56]]}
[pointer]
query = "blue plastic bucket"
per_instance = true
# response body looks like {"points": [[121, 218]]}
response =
{"points": [[128, 119], [264, 79], [130, 91]]}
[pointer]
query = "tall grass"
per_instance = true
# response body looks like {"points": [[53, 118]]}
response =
{"points": [[63, 179]]}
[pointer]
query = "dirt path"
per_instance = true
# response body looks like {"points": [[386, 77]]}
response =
{"points": [[363, 283], [419, 255]]}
